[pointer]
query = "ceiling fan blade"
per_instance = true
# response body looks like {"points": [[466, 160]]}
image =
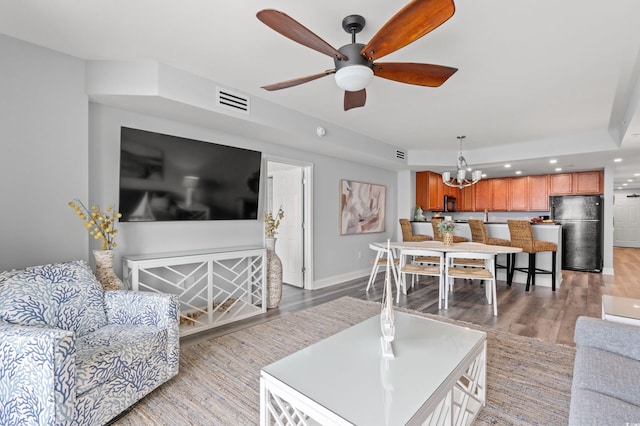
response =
{"points": [[296, 81], [410, 73], [354, 99], [412, 22], [292, 29]]}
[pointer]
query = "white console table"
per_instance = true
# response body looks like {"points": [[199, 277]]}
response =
{"points": [[215, 287]]}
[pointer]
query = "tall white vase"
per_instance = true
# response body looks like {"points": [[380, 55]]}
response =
{"points": [[104, 270], [274, 274]]}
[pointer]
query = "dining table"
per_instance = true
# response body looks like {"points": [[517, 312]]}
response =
{"points": [[467, 247], [439, 246]]}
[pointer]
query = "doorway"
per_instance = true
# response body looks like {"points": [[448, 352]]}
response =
{"points": [[289, 187], [626, 220]]}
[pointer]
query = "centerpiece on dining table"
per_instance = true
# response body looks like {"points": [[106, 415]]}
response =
{"points": [[446, 228]]}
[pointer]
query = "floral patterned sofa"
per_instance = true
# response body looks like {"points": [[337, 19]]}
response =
{"points": [[72, 353]]}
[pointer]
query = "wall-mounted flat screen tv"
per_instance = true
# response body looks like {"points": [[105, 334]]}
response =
{"points": [[164, 177]]}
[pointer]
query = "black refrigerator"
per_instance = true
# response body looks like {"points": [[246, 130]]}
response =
{"points": [[581, 220]]}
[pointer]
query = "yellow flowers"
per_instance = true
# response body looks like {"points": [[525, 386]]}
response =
{"points": [[271, 223], [101, 225]]}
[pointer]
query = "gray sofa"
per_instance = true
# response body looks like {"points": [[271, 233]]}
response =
{"points": [[606, 375]]}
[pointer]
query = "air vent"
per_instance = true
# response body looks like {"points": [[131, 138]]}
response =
{"points": [[233, 101], [401, 155]]}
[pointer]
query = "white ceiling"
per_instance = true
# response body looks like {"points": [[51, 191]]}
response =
{"points": [[558, 75]]}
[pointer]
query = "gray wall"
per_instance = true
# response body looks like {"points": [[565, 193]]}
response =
{"points": [[337, 258], [44, 160], [54, 149]]}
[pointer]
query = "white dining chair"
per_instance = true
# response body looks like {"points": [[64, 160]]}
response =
{"points": [[383, 257], [434, 267], [453, 271]]}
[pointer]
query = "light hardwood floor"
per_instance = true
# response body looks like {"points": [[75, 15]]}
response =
{"points": [[540, 313]]}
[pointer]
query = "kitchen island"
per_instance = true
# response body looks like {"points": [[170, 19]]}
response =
{"points": [[542, 231]]}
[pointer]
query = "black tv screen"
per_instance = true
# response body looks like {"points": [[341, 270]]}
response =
{"points": [[164, 177]]}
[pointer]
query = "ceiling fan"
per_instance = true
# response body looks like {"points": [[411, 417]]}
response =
{"points": [[354, 62]]}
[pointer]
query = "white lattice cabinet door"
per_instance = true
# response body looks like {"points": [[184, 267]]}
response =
{"points": [[215, 287]]}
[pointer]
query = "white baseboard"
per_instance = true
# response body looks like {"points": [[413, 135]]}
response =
{"points": [[607, 271], [340, 279]]}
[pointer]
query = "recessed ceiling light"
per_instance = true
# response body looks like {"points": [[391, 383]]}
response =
{"points": [[619, 187], [553, 161], [617, 160], [507, 165], [518, 172], [558, 169], [629, 180], [636, 174], [624, 184]]}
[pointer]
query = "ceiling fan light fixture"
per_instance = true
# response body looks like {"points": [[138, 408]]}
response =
{"points": [[354, 77]]}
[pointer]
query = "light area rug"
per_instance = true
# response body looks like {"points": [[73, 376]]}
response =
{"points": [[528, 381]]}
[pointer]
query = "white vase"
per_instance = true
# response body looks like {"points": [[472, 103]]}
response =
{"points": [[104, 270], [274, 274]]}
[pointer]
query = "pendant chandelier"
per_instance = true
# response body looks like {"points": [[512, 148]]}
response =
{"points": [[460, 178]]}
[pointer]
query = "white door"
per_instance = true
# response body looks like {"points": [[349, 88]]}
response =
{"points": [[287, 191], [626, 221]]}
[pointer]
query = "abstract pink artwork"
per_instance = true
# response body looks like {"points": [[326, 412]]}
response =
{"points": [[362, 207]]}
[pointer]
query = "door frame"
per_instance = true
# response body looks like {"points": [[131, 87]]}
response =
{"points": [[307, 215]]}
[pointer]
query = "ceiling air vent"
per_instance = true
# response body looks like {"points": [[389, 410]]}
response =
{"points": [[401, 155], [233, 101]]}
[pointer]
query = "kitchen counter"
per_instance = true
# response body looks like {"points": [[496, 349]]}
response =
{"points": [[541, 231]]}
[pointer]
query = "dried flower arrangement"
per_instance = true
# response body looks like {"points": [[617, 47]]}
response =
{"points": [[101, 225], [271, 223]]}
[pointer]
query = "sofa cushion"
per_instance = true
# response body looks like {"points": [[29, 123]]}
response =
{"points": [[26, 299], [607, 373], [593, 408], [611, 336], [119, 355], [64, 295]]}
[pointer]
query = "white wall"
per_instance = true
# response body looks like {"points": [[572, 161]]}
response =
{"points": [[44, 132], [43, 165], [336, 258]]}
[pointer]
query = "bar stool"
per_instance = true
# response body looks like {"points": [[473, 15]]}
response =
{"points": [[407, 232], [479, 234], [522, 237], [437, 235], [408, 235]]}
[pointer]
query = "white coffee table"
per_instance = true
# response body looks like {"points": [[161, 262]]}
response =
{"points": [[621, 309], [438, 376]]}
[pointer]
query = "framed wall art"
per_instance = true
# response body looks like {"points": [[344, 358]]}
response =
{"points": [[362, 207]]}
